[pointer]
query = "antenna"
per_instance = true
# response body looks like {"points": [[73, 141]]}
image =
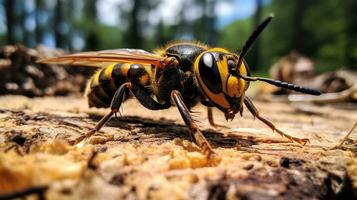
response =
{"points": [[248, 44], [282, 84], [252, 38]]}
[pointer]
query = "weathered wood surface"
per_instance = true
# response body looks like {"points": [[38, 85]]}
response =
{"points": [[149, 155]]}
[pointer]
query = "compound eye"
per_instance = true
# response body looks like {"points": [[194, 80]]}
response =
{"points": [[209, 73]]}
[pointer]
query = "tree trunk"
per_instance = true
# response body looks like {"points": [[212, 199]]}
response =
{"points": [[350, 34], [211, 19], [10, 21], [40, 27], [134, 39], [91, 15], [298, 34], [59, 23]]}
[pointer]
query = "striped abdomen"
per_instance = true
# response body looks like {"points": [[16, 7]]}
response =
{"points": [[103, 84]]}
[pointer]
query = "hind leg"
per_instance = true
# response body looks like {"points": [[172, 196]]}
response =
{"points": [[120, 95], [115, 104]]}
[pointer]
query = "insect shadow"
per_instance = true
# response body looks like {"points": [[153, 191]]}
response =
{"points": [[161, 130]]}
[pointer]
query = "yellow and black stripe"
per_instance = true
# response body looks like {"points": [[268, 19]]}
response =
{"points": [[103, 84]]}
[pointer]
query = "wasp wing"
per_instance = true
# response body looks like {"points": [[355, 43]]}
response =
{"points": [[101, 58]]}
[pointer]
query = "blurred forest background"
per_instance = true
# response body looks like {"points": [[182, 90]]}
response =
{"points": [[323, 30]]}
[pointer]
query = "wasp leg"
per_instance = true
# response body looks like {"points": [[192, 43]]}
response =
{"points": [[211, 120], [198, 137], [146, 100], [117, 100], [255, 113]]}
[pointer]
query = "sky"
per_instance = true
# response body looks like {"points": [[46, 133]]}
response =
{"points": [[230, 11]]}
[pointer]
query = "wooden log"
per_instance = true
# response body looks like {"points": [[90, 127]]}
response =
{"points": [[148, 154]]}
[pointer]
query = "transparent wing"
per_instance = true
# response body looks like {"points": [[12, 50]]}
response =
{"points": [[101, 58]]}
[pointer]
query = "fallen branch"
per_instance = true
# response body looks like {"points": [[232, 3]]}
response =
{"points": [[337, 97], [346, 137]]}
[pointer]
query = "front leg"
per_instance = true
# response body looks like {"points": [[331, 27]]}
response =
{"points": [[255, 113], [197, 135]]}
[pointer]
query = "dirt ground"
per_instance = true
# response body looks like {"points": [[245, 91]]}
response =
{"points": [[148, 154]]}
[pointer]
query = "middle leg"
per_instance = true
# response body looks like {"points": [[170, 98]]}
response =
{"points": [[211, 119], [142, 96]]}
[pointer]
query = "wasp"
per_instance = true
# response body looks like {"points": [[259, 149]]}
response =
{"points": [[181, 74]]}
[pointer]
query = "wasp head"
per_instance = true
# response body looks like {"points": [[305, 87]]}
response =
{"points": [[217, 74], [224, 77]]}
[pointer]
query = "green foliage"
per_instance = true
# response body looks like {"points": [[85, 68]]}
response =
{"points": [[234, 35], [317, 29], [324, 30], [109, 37]]}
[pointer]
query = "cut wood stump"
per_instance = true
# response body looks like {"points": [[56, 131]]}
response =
{"points": [[148, 154]]}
